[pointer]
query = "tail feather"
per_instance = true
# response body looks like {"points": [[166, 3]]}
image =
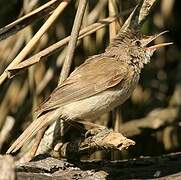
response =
{"points": [[31, 131]]}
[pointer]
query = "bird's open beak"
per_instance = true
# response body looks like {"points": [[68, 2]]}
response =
{"points": [[157, 46], [147, 39]]}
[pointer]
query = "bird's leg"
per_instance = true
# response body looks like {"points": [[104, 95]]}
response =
{"points": [[77, 124], [95, 128], [94, 131]]}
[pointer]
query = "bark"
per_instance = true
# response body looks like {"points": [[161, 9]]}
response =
{"points": [[164, 167]]}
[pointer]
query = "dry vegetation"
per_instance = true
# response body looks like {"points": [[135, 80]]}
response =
{"points": [[36, 55]]}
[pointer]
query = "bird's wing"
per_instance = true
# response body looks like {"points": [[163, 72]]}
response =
{"points": [[90, 78]]}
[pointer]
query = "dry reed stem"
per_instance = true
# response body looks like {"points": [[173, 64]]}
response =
{"points": [[24, 21], [53, 48], [66, 66], [112, 34], [50, 72], [94, 14], [6, 129], [139, 14], [90, 18], [37, 36], [112, 26], [8, 101], [73, 40], [28, 48], [30, 154], [145, 10]]}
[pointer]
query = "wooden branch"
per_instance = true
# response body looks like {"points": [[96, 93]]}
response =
{"points": [[166, 167], [95, 139]]}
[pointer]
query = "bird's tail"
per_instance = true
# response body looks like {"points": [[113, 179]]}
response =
{"points": [[32, 130]]}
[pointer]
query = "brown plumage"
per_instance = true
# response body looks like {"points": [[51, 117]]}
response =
{"points": [[100, 84]]}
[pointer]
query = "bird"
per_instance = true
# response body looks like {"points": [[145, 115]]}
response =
{"points": [[100, 84]]}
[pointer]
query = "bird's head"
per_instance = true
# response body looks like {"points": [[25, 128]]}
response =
{"points": [[133, 47], [130, 45]]}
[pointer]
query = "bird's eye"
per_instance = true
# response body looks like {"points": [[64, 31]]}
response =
{"points": [[138, 43]]}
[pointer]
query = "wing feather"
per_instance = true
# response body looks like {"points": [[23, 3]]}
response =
{"points": [[90, 78]]}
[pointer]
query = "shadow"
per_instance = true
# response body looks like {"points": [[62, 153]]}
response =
{"points": [[142, 168]]}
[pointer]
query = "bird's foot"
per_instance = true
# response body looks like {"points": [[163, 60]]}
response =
{"points": [[94, 131]]}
